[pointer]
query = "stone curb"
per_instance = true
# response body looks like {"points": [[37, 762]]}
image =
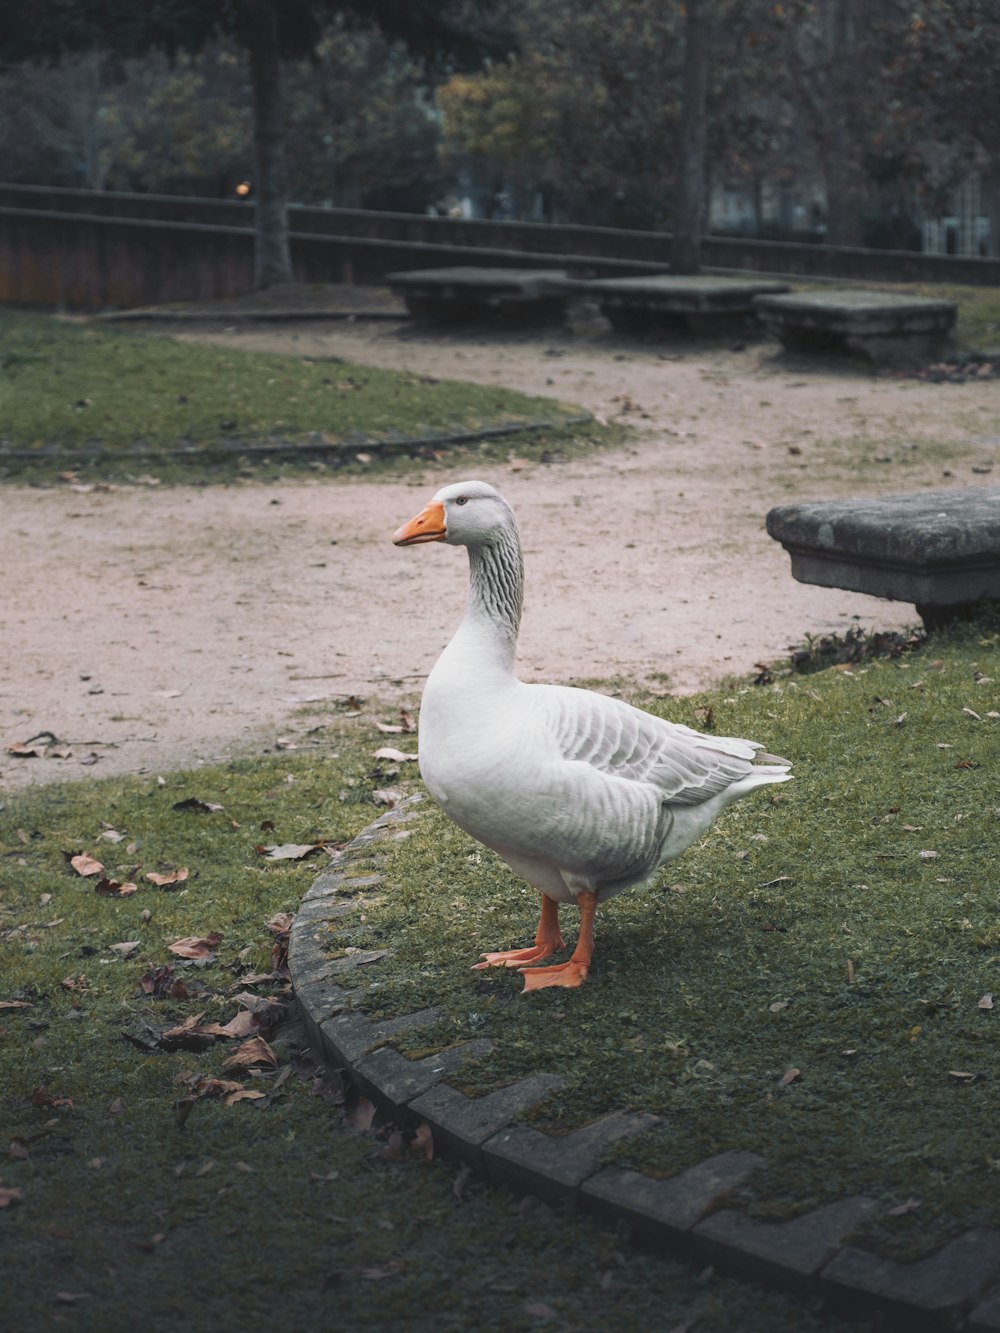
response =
{"points": [[288, 449], [155, 315], [956, 1287]]}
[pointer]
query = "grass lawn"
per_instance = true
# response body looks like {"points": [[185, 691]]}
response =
{"points": [[139, 1185], [813, 982], [76, 393]]}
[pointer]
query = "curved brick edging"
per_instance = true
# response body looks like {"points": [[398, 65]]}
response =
{"points": [[284, 449], [957, 1286]]}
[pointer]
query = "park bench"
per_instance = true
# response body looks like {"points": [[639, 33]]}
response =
{"points": [[884, 326], [445, 295], [665, 302], [937, 549]]}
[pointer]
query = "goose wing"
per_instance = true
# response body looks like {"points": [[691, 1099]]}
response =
{"points": [[685, 766]]}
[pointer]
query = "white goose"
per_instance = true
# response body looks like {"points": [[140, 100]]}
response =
{"points": [[582, 795]]}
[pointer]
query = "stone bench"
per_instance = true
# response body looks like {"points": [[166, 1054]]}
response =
{"points": [[938, 549], [881, 325], [664, 302], [445, 295]]}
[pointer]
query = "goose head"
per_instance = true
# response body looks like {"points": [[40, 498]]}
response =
{"points": [[466, 513]]}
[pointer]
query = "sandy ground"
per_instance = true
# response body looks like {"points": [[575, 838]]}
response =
{"points": [[155, 628]]}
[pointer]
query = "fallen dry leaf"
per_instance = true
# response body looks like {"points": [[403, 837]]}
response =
{"points": [[10, 1194], [198, 805], [389, 796], [255, 1051], [361, 1118], [290, 851], [172, 877], [125, 947], [194, 946], [423, 1142], [987, 1001], [396, 756], [902, 1209], [15, 1004], [790, 1076], [244, 1095], [40, 1097], [85, 865], [111, 888]]}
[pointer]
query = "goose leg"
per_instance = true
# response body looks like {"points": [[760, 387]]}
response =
{"points": [[573, 973], [547, 941]]}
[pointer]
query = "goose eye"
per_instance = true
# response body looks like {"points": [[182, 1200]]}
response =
{"points": [[462, 500]]}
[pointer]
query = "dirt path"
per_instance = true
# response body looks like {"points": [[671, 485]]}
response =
{"points": [[151, 629]]}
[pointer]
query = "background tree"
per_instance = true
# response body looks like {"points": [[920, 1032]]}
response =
{"points": [[271, 32]]}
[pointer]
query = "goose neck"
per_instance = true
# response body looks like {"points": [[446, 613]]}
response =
{"points": [[496, 588]]}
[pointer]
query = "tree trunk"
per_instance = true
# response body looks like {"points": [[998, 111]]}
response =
{"points": [[690, 218], [272, 257]]}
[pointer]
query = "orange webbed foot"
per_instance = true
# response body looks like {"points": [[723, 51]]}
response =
{"points": [[548, 941], [569, 974]]}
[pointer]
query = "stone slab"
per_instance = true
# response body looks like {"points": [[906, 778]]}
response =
{"points": [[461, 1124], [934, 548], [792, 1252], [985, 1318], [352, 1035], [680, 295], [665, 1212], [555, 1167], [665, 302], [390, 1078], [930, 1293], [882, 325], [450, 293]]}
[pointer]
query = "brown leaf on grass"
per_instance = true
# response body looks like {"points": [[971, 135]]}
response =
{"points": [[10, 1194], [289, 851], [125, 947], [389, 796], [392, 1150], [987, 1001], [790, 1076], [255, 1051], [18, 1150], [41, 1098], [171, 877], [111, 888], [196, 946], [15, 1004], [244, 1095], [84, 865], [281, 923], [423, 1142], [241, 1025], [360, 1119], [395, 756], [267, 1009], [901, 1209], [379, 1272], [157, 980]]}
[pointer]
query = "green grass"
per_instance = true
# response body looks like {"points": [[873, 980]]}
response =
{"points": [[123, 400], [130, 1217], [844, 925]]}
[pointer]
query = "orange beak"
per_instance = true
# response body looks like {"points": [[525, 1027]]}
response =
{"points": [[428, 526]]}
